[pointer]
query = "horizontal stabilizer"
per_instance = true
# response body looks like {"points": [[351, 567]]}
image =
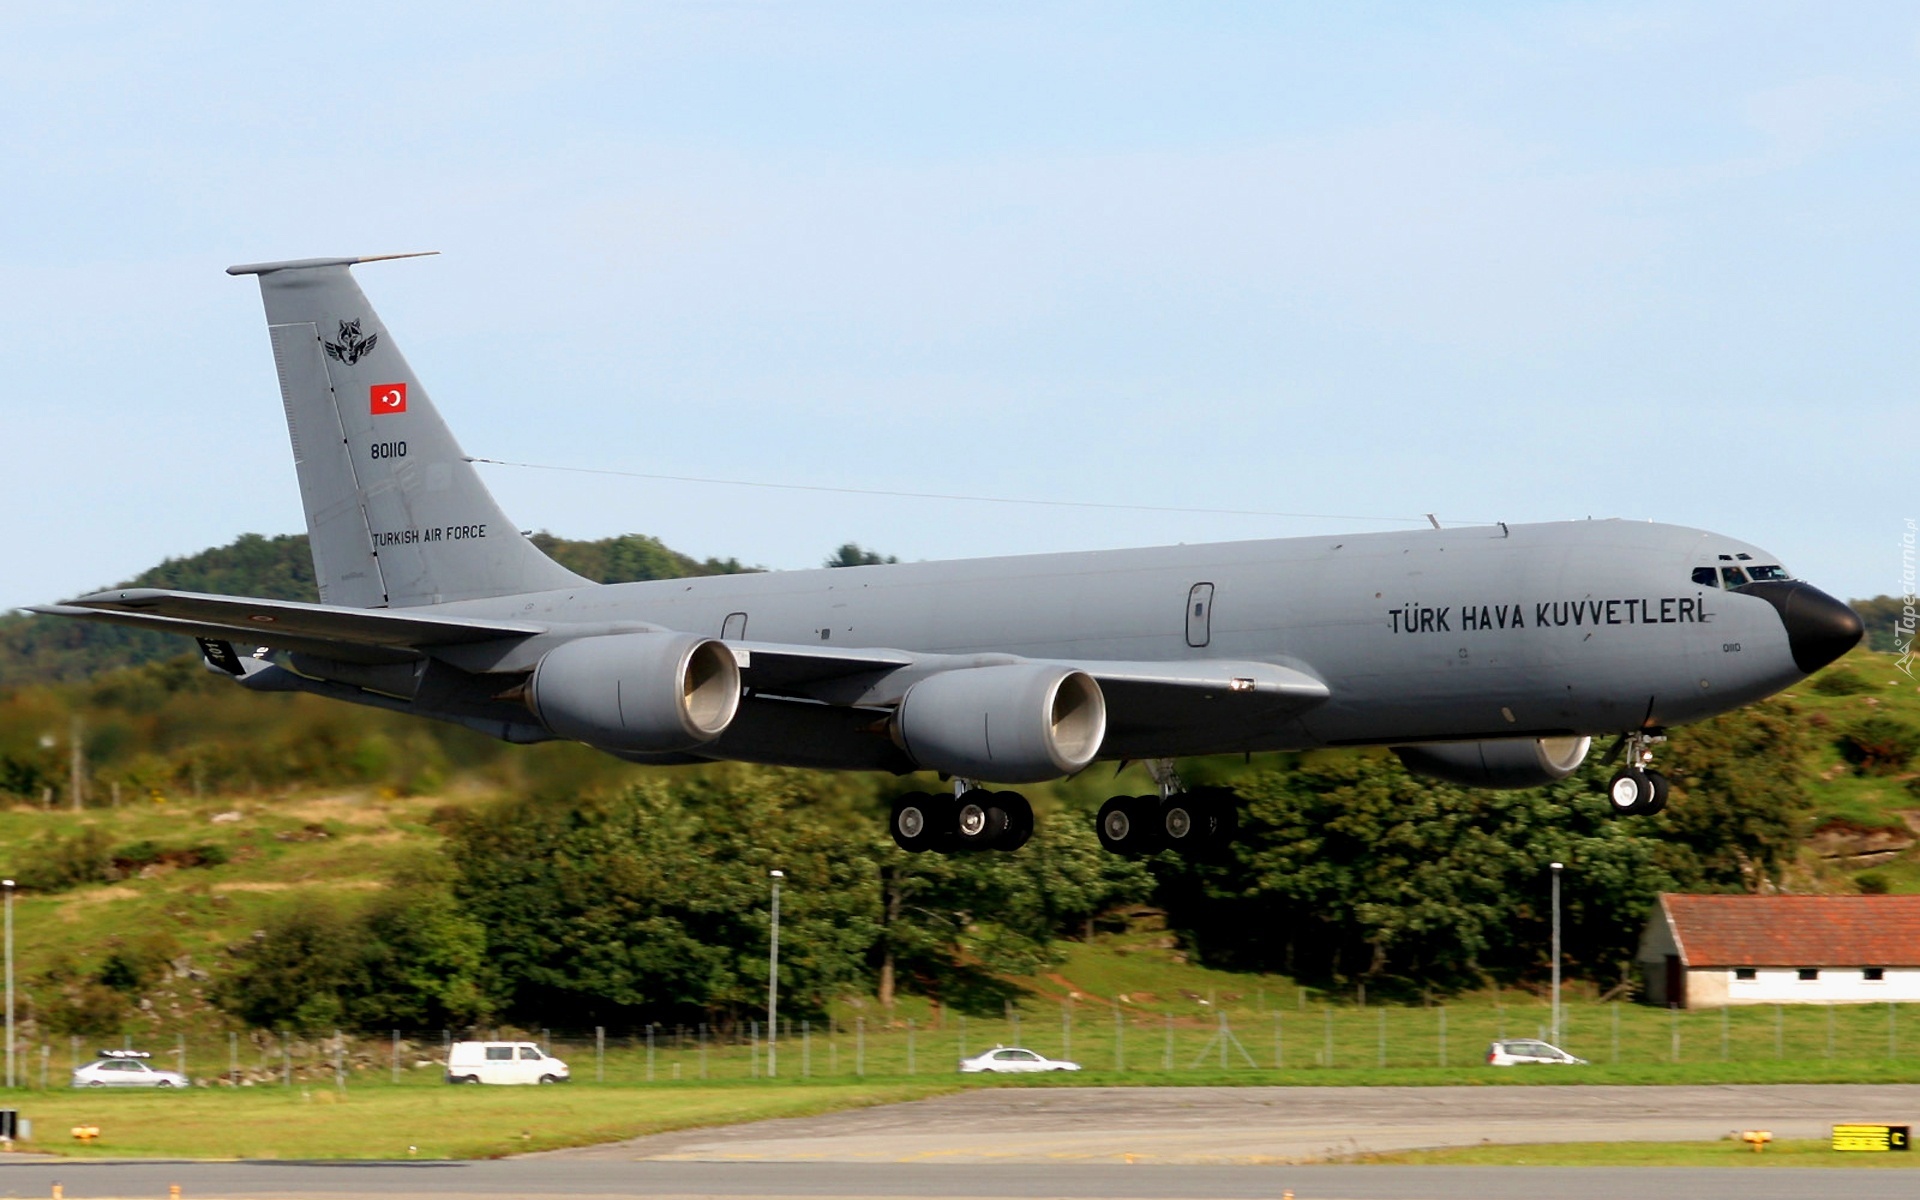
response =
{"points": [[271, 622]]}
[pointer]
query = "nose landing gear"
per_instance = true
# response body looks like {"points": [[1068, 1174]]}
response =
{"points": [[1636, 790]]}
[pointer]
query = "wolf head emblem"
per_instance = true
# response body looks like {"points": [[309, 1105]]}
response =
{"points": [[351, 347]]}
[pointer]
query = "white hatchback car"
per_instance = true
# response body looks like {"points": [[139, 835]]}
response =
{"points": [[1013, 1058], [124, 1069], [1521, 1051]]}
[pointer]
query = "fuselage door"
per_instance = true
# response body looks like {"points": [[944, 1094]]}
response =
{"points": [[734, 628], [1200, 615]]}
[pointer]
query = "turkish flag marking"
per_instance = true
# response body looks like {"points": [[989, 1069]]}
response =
{"points": [[387, 398]]}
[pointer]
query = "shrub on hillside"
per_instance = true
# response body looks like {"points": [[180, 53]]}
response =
{"points": [[1841, 681], [52, 863], [1880, 745]]}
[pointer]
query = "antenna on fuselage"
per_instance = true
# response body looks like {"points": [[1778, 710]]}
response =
{"points": [[1433, 520]]}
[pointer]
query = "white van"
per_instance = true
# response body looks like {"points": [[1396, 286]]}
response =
{"points": [[503, 1062]]}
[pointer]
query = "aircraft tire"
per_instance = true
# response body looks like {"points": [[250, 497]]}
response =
{"points": [[979, 820], [1220, 809], [1126, 825], [1019, 818], [1185, 822], [1629, 792], [1658, 800], [916, 821]]}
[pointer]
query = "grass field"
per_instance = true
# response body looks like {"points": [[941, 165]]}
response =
{"points": [[1784, 1153], [445, 1122]]}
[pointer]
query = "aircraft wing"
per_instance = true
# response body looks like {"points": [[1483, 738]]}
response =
{"points": [[354, 634], [1166, 709]]}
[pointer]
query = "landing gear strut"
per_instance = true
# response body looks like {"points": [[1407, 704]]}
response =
{"points": [[1195, 822], [1636, 789]]}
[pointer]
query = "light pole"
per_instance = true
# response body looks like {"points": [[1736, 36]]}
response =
{"points": [[773, 979], [7, 884], [1556, 953]]}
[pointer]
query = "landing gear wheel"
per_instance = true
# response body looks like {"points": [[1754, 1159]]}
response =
{"points": [[1129, 825], [916, 821], [1659, 798], [1019, 819], [979, 820], [1631, 792], [1198, 822]]}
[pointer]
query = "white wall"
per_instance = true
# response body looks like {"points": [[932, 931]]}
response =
{"points": [[1782, 985]]}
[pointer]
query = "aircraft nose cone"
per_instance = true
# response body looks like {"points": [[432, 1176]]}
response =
{"points": [[1819, 628]]}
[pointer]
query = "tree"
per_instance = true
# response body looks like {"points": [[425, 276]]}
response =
{"points": [[851, 554]]}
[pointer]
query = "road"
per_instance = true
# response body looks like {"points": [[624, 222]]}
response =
{"points": [[1073, 1144]]}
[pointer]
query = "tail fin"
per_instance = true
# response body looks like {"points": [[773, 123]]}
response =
{"points": [[396, 514]]}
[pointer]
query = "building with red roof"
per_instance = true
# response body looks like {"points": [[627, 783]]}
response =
{"points": [[1709, 951]]}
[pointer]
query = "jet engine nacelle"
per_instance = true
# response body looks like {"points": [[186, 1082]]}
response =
{"points": [[1016, 723], [637, 692], [1507, 763]]}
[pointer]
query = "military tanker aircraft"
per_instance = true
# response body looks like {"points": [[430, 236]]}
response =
{"points": [[1488, 656]]}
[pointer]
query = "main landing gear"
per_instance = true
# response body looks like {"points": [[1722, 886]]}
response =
{"points": [[973, 818], [1637, 790], [1195, 822]]}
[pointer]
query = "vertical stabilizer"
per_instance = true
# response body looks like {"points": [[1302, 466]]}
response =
{"points": [[396, 514]]}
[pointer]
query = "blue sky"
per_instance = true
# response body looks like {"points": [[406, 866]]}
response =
{"points": [[1496, 262]]}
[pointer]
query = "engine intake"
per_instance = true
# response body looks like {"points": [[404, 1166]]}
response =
{"points": [[1016, 723], [1507, 763], [644, 692]]}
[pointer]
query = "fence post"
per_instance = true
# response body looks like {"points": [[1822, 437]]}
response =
{"points": [[1673, 1029], [649, 1051], [1779, 1032], [233, 1057], [1726, 1029], [1443, 1035], [963, 1035], [46, 1065], [806, 1049], [703, 1049], [286, 1058], [1119, 1038], [599, 1053], [1013, 1015], [1383, 1035], [1066, 1029], [1167, 1065], [1327, 1011], [1616, 1032], [909, 1045], [1279, 1046], [753, 1053], [339, 1060], [860, 1047], [1893, 1044], [396, 1056]]}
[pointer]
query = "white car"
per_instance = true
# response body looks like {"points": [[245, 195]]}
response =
{"points": [[1521, 1051], [503, 1062], [122, 1068], [1013, 1058]]}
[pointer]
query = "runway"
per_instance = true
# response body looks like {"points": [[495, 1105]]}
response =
{"points": [[1224, 1126], [1101, 1143]]}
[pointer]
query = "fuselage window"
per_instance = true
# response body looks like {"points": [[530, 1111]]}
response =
{"points": [[1733, 576], [1706, 577], [1767, 573]]}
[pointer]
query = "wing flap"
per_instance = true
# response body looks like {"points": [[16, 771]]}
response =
{"points": [[246, 639]]}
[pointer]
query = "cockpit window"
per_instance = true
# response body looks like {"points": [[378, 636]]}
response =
{"points": [[1733, 576], [1767, 573], [1706, 577]]}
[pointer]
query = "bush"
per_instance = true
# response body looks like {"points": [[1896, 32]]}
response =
{"points": [[1880, 745], [1872, 883], [1841, 681], [54, 863]]}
